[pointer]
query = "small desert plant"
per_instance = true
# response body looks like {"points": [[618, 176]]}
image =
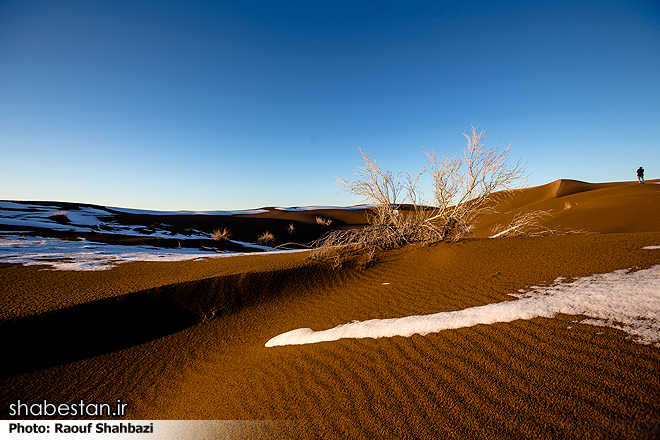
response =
{"points": [[219, 235], [59, 216], [464, 188], [323, 221], [568, 205], [291, 230], [267, 238]]}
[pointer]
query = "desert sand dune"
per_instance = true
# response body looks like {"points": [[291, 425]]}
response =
{"points": [[539, 378], [598, 208]]}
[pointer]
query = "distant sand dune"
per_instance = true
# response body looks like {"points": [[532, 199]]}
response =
{"points": [[598, 208]]}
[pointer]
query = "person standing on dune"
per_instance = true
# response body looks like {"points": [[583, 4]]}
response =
{"points": [[640, 174]]}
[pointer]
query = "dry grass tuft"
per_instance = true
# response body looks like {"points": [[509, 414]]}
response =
{"points": [[291, 230], [219, 235], [59, 216], [267, 239], [323, 221]]}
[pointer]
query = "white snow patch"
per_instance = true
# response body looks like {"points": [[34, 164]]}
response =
{"points": [[86, 219], [86, 216], [629, 301], [150, 212], [11, 205], [87, 255], [320, 208], [38, 216]]}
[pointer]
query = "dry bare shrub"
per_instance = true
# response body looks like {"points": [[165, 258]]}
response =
{"points": [[568, 205], [291, 230], [219, 235], [267, 239], [378, 188], [464, 188], [468, 187]]}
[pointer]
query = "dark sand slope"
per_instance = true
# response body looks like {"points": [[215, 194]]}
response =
{"points": [[542, 378]]}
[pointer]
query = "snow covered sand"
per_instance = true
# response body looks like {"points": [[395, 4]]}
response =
{"points": [[626, 300]]}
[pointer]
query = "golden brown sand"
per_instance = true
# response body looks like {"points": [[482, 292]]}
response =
{"points": [[542, 378]]}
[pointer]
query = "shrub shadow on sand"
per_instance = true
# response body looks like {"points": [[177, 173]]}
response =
{"points": [[88, 330], [104, 326]]}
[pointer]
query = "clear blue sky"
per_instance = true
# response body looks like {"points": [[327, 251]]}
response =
{"points": [[243, 104]]}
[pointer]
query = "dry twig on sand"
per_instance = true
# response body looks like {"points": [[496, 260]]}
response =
{"points": [[524, 223], [528, 224]]}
